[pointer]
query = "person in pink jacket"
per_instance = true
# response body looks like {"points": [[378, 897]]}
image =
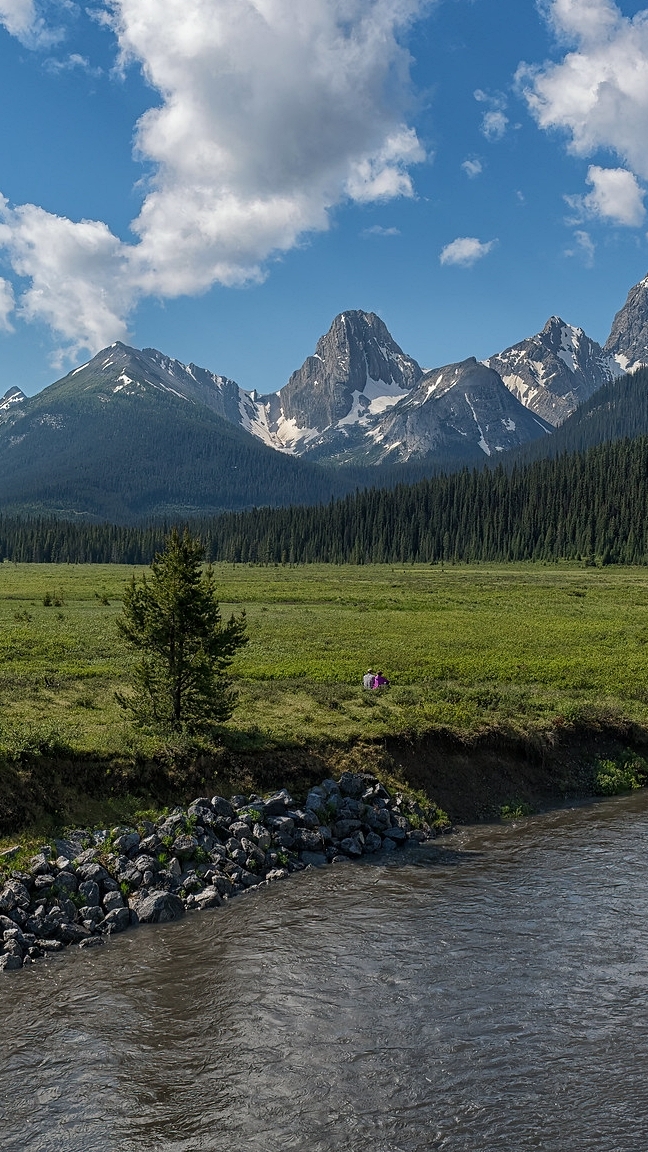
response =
{"points": [[380, 681]]}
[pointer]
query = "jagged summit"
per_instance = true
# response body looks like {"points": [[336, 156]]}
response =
{"points": [[459, 410], [628, 339], [356, 372], [556, 370]]}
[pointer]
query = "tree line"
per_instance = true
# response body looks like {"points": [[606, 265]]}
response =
{"points": [[589, 505]]}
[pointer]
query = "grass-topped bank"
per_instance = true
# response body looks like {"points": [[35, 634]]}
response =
{"points": [[497, 653]]}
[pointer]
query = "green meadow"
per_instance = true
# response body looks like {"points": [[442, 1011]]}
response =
{"points": [[464, 646]]}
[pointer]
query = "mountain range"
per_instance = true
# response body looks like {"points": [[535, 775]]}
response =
{"points": [[134, 434]]}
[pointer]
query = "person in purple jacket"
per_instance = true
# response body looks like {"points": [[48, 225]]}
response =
{"points": [[380, 681]]}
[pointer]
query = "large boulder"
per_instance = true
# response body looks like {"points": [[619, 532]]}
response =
{"points": [[158, 907]]}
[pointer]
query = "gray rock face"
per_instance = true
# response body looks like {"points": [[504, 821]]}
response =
{"points": [[628, 339], [555, 371], [456, 412], [357, 370], [158, 907]]}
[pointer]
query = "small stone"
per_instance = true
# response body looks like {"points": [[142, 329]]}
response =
{"points": [[262, 836], [159, 907], [372, 842], [175, 867], [89, 890], [117, 920], [314, 859], [277, 874], [112, 900], [66, 882], [49, 945], [184, 847], [10, 963], [388, 845], [351, 847], [90, 942], [208, 898]]}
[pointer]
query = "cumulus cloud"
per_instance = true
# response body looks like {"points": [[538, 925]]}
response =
{"points": [[465, 250], [271, 115], [378, 230], [22, 19], [598, 93], [494, 121], [472, 167], [585, 248], [80, 281], [6, 305], [616, 196]]}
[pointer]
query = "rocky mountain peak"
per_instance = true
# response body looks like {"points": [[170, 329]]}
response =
{"points": [[556, 370], [628, 339], [357, 370]]}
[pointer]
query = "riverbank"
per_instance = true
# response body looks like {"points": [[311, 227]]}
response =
{"points": [[84, 885], [471, 776], [81, 889]]}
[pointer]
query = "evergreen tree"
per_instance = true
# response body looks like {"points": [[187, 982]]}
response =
{"points": [[173, 619]]}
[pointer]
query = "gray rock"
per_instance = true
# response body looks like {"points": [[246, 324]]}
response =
{"points": [[184, 847], [388, 845], [208, 898], [151, 845], [73, 933], [127, 842], [351, 847], [117, 920], [222, 807], [92, 913], [240, 828], [316, 859], [89, 890], [342, 829], [175, 867], [64, 864], [262, 836], [250, 879], [66, 882], [398, 835], [316, 800], [372, 842], [308, 841], [48, 945], [90, 942], [158, 907], [112, 900], [277, 804], [39, 864], [14, 948], [87, 856], [43, 883], [14, 895], [92, 871], [277, 874], [354, 784], [10, 963]]}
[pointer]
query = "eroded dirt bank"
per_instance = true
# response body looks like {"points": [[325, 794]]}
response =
{"points": [[469, 776]]}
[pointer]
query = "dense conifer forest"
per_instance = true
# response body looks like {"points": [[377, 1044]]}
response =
{"points": [[589, 505]]}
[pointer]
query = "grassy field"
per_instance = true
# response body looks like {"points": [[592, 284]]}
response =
{"points": [[465, 646]]}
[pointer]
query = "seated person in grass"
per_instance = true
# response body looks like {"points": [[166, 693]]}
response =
{"points": [[380, 681], [368, 678]]}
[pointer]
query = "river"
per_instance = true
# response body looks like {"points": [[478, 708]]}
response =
{"points": [[487, 992]]}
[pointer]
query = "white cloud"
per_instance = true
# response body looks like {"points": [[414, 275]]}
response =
{"points": [[585, 248], [494, 125], [271, 115], [472, 167], [22, 20], [598, 93], [378, 230], [6, 305], [80, 279], [465, 250], [616, 196], [494, 122]]}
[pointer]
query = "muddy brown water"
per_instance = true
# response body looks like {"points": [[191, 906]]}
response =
{"points": [[487, 993]]}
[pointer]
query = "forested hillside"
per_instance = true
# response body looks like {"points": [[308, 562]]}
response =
{"points": [[617, 410], [591, 506]]}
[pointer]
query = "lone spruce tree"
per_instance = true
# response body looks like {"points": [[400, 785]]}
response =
{"points": [[172, 617]]}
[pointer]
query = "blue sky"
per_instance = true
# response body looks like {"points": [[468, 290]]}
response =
{"points": [[219, 178]]}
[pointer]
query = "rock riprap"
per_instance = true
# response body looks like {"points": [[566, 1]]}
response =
{"points": [[82, 889]]}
